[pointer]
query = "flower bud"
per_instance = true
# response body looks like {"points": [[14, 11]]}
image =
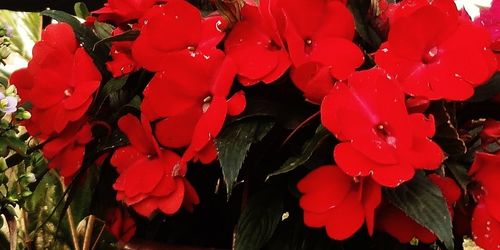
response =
{"points": [[3, 164], [11, 90], [4, 52], [30, 177]]}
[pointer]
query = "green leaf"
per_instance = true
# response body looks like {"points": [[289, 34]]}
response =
{"points": [[86, 37], [487, 91], [129, 35], [308, 150], [81, 10], [423, 201], [15, 144], [103, 30], [460, 173], [259, 220], [360, 10], [233, 144], [446, 135]]}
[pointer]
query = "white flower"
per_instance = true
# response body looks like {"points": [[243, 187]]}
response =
{"points": [[473, 7]]}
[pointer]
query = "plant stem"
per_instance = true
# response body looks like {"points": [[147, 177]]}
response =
{"points": [[71, 222], [88, 232]]}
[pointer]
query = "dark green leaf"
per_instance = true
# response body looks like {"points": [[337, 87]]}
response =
{"points": [[308, 149], [423, 201], [129, 35], [102, 30], [460, 173], [360, 10], [15, 144], [233, 144], [446, 133], [81, 10], [488, 90], [259, 220], [86, 37]]}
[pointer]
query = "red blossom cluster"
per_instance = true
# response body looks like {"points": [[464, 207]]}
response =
{"points": [[377, 114]]}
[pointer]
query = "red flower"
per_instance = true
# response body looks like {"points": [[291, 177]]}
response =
{"points": [[338, 202], [396, 223], [65, 152], [315, 30], [58, 98], [121, 224], [435, 54], [378, 136], [319, 37], [192, 106], [121, 11], [486, 217], [150, 179], [174, 33], [256, 46]]}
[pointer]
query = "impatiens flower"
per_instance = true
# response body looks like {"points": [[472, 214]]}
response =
{"points": [[8, 104], [485, 171], [378, 136], [319, 37], [490, 19], [473, 7], [436, 55], [60, 79], [121, 224], [65, 152], [256, 46], [338, 202], [120, 11], [174, 33], [315, 30], [150, 178], [191, 103], [396, 223]]}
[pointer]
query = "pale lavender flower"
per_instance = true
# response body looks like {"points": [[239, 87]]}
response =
{"points": [[8, 104]]}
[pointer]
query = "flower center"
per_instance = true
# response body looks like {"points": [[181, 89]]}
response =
{"points": [[206, 103], [4, 103], [191, 48], [431, 55], [273, 46], [382, 131], [69, 91], [308, 41]]}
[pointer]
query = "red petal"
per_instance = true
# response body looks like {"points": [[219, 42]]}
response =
{"points": [[124, 157], [146, 207], [60, 35], [210, 123], [485, 228], [372, 196], [344, 220], [135, 133], [142, 177], [190, 197], [341, 54], [324, 188], [171, 204], [236, 104], [176, 131], [353, 162]]}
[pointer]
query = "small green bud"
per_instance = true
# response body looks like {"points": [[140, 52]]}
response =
{"points": [[23, 115], [26, 194], [11, 90], [4, 52], [3, 164], [30, 177]]}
